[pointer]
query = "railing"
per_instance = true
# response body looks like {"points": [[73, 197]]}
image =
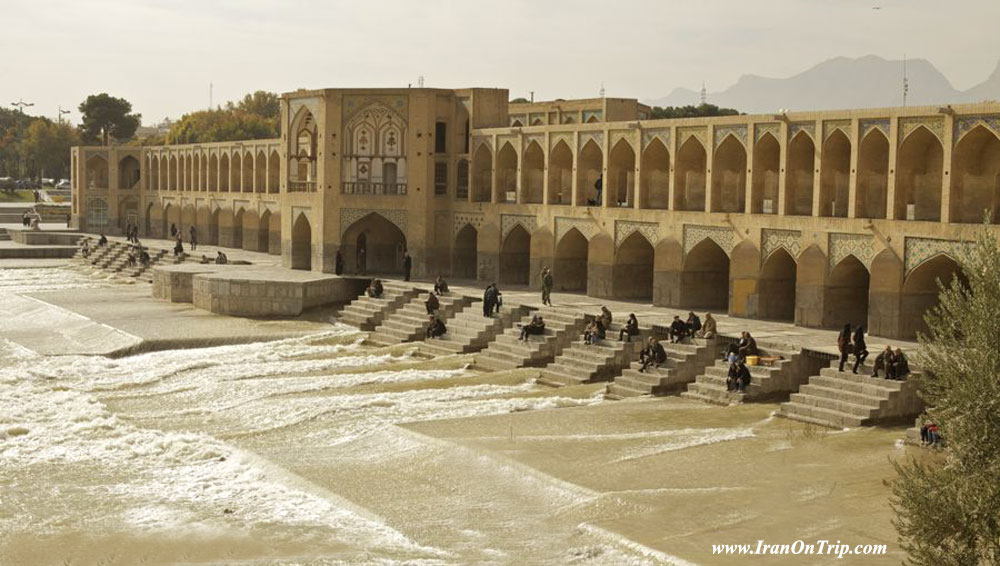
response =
{"points": [[356, 188], [302, 186]]}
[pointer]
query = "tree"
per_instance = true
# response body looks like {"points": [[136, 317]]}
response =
{"points": [[47, 147], [106, 117], [260, 103], [220, 125], [699, 111], [948, 509], [519, 101]]}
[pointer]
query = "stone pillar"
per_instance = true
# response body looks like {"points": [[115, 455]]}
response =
{"points": [[600, 265], [948, 146], [744, 272], [542, 255], [576, 167], [818, 167], [672, 150], [494, 190], [668, 264], [890, 190], [810, 282], [488, 253], [639, 192], [782, 164], [274, 235], [606, 150], [751, 144], [545, 167], [709, 163], [226, 234], [885, 295], [251, 228], [852, 187]]}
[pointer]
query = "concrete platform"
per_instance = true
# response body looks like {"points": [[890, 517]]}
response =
{"points": [[175, 283], [265, 292], [27, 236], [13, 250]]}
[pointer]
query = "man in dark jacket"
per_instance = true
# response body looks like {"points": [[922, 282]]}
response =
{"points": [[860, 349], [489, 300], [652, 355], [436, 328], [432, 303], [407, 266]]}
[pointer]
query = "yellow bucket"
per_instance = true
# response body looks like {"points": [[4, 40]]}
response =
{"points": [[752, 360]]}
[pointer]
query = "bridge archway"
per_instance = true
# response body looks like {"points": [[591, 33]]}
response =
{"points": [[846, 294], [507, 173], [569, 268], [690, 176], [919, 171], [873, 175], [655, 173], [766, 162], [464, 258], [799, 179], [632, 271], [264, 231], [128, 172], [301, 243], [376, 244], [560, 174], [835, 175], [621, 175], [921, 294], [533, 174], [589, 168], [976, 177], [224, 173], [515, 257], [238, 229], [729, 176], [705, 278], [482, 171], [97, 172], [776, 287]]}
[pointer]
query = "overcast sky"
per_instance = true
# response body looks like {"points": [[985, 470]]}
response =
{"points": [[162, 55]]}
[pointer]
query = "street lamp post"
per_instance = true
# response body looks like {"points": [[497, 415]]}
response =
{"points": [[61, 112], [20, 105]]}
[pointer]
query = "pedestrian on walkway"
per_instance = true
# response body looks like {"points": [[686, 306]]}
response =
{"points": [[178, 246], [844, 344], [338, 263], [489, 300], [173, 230], [407, 265], [194, 238], [860, 349], [546, 278]]}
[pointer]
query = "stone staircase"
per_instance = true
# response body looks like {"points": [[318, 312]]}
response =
{"points": [[586, 363], [4, 235], [470, 331], [842, 399], [366, 313], [507, 352], [768, 383], [684, 362], [112, 259], [409, 323]]}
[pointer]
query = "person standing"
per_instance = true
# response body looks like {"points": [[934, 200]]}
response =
{"points": [[362, 261], [194, 237], [860, 349], [173, 230], [407, 265], [489, 300], [599, 187], [338, 263], [844, 344], [546, 278]]}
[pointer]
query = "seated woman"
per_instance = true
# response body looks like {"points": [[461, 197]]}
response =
{"points": [[884, 362], [536, 326], [605, 317], [375, 289], [436, 328], [221, 259], [900, 367], [596, 333], [652, 355], [631, 329], [432, 303], [693, 324], [747, 346], [440, 285], [708, 329]]}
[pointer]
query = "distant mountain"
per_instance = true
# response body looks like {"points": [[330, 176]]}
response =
{"points": [[841, 83]]}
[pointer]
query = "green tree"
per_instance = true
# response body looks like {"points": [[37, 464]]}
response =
{"points": [[106, 118], [948, 507], [702, 110], [13, 125], [47, 147], [220, 125], [260, 103]]}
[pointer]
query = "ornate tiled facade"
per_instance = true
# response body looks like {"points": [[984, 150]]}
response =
{"points": [[807, 127], [966, 123], [761, 129], [934, 124], [860, 246], [586, 226], [626, 135], [649, 135], [508, 221], [771, 240], [554, 140], [919, 250], [738, 131], [625, 228], [866, 126], [462, 219], [694, 234], [831, 126], [349, 216], [697, 132], [596, 137]]}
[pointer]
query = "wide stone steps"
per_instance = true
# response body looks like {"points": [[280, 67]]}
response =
{"points": [[684, 362], [507, 352], [469, 331], [765, 381], [409, 323], [843, 399], [584, 363], [366, 312]]}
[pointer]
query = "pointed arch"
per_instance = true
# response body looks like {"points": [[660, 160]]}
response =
{"points": [[482, 174], [376, 244], [569, 267], [776, 286], [655, 176], [846, 294], [919, 174], [835, 175], [236, 173], [589, 169], [464, 259], [515, 257], [690, 175], [273, 172], [560, 174], [97, 172], [729, 176], [632, 270], [507, 173], [872, 175], [621, 175], [533, 174], [705, 277], [975, 177], [154, 173], [260, 172], [213, 173], [224, 173], [766, 162], [921, 291], [248, 169], [800, 175], [301, 243]]}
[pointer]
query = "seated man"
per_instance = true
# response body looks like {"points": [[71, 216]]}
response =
{"points": [[102, 241], [884, 361], [377, 289], [205, 259], [144, 257], [739, 377], [536, 326], [652, 355], [221, 259], [678, 330], [432, 303], [440, 286], [605, 317], [900, 366], [436, 328], [708, 329], [589, 332], [693, 324]]}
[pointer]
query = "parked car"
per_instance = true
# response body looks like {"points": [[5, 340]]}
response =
{"points": [[7, 184], [64, 184], [48, 182]]}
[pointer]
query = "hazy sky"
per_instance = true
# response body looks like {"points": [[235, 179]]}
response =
{"points": [[162, 55]]}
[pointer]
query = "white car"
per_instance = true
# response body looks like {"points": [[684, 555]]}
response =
{"points": [[64, 184]]}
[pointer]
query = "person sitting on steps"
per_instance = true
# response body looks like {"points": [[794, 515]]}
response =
{"points": [[432, 303], [178, 246], [436, 328], [605, 316], [678, 330], [102, 241], [652, 355], [747, 346], [440, 285], [221, 259], [884, 361], [693, 324], [708, 329], [630, 329], [739, 377], [536, 326], [900, 367], [375, 289]]}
